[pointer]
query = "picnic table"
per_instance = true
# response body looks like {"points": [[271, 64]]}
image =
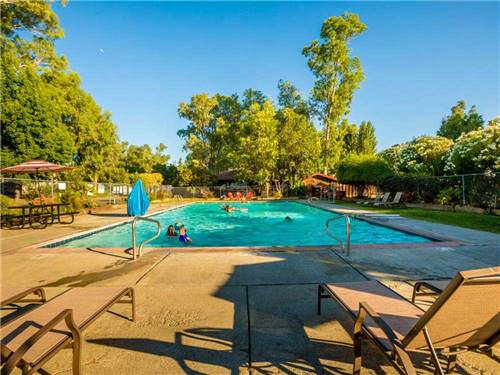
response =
{"points": [[38, 216]]}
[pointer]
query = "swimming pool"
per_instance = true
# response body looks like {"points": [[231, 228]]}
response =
{"points": [[251, 224]]}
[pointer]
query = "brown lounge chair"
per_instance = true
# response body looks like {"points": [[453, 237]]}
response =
{"points": [[12, 295], [428, 288], [36, 336], [465, 316]]}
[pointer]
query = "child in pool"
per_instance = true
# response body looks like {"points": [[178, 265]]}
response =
{"points": [[227, 208], [171, 231], [183, 236]]}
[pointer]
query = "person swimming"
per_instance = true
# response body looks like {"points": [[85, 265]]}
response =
{"points": [[183, 236], [171, 231], [227, 208], [288, 218]]}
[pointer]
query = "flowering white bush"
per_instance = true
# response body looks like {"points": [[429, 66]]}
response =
{"points": [[476, 152], [424, 155]]}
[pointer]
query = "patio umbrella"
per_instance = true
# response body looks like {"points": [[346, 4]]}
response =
{"points": [[35, 166]]}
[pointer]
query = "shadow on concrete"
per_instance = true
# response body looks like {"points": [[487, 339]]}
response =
{"points": [[276, 328], [129, 253], [275, 325]]}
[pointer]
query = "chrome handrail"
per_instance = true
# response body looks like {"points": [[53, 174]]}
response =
{"points": [[141, 245], [347, 247]]}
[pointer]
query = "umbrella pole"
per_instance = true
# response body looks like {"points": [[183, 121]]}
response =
{"points": [[38, 186], [52, 186]]}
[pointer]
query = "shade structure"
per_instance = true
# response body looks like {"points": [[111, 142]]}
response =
{"points": [[35, 166], [138, 202]]}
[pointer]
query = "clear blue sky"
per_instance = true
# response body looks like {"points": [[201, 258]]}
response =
{"points": [[140, 60]]}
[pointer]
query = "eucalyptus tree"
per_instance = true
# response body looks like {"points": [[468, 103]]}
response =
{"points": [[337, 74]]}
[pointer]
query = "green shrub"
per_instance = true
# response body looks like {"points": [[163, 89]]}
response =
{"points": [[298, 191], [5, 203], [449, 195]]}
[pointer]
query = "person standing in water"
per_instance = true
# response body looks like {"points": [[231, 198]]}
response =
{"points": [[171, 231], [183, 236]]}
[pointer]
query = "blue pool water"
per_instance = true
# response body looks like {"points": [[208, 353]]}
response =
{"points": [[257, 224]]}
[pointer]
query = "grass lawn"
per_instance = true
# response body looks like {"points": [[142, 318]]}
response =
{"points": [[489, 223]]}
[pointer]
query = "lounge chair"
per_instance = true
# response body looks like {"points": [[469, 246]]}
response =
{"points": [[378, 197], [384, 199], [12, 295], [395, 201], [36, 336], [465, 316], [428, 288]]}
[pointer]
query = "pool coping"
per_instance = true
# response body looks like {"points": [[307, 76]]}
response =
{"points": [[437, 240]]}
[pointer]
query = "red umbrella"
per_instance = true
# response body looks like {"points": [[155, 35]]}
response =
{"points": [[35, 166]]}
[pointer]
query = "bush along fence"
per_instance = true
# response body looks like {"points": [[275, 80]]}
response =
{"points": [[477, 190]]}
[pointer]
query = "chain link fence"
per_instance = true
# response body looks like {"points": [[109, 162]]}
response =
{"points": [[476, 190], [104, 193]]}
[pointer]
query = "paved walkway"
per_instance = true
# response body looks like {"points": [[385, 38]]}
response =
{"points": [[238, 312]]}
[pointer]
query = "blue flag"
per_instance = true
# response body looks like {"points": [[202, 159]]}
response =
{"points": [[138, 202]]}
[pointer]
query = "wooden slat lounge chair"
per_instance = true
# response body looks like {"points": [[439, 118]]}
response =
{"points": [[465, 316], [395, 201], [32, 339], [428, 288], [12, 295]]}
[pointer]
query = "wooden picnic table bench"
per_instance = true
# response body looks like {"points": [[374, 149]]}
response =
{"points": [[38, 216]]}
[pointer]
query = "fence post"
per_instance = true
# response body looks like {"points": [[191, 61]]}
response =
{"points": [[463, 190]]}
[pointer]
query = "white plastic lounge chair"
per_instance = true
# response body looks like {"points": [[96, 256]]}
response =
{"points": [[395, 201]]}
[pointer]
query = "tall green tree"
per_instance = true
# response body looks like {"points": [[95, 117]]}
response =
{"points": [[203, 137], [30, 27], [256, 153], [337, 74], [45, 112], [367, 141], [298, 147], [31, 125], [460, 121]]}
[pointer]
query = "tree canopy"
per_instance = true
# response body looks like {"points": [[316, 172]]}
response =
{"points": [[45, 112], [460, 121]]}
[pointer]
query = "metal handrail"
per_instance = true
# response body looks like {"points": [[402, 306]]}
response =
{"points": [[141, 245], [347, 247]]}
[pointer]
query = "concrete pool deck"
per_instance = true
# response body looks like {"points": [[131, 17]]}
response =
{"points": [[239, 311]]}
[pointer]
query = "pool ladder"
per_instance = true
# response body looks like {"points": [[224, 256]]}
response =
{"points": [[347, 247], [134, 236]]}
